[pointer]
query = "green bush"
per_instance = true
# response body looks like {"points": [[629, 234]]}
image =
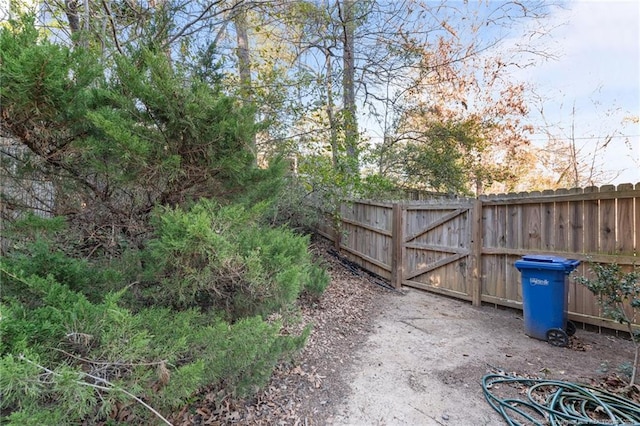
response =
{"points": [[72, 352], [67, 360], [219, 258], [99, 317], [318, 281], [46, 247], [618, 293], [293, 207]]}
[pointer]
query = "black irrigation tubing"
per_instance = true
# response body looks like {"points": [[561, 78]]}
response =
{"points": [[360, 271], [565, 403]]}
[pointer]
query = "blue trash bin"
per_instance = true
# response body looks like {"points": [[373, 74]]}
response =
{"points": [[545, 291]]}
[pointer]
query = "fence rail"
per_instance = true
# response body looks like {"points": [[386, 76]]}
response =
{"points": [[466, 248]]}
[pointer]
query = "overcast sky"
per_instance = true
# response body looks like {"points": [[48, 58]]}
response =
{"points": [[598, 69]]}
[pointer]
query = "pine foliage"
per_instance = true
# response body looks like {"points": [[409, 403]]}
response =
{"points": [[141, 290], [67, 359], [117, 140], [220, 258]]}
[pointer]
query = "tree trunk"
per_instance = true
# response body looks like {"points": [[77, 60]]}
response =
{"points": [[348, 88], [71, 10], [79, 32], [333, 127], [244, 63], [479, 187]]}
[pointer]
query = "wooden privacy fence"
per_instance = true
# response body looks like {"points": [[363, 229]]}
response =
{"points": [[466, 248]]}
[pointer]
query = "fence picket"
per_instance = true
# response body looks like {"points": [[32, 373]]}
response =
{"points": [[607, 222], [636, 250], [548, 228], [624, 222]]}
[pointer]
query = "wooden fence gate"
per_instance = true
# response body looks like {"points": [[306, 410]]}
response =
{"points": [[436, 245], [431, 246]]}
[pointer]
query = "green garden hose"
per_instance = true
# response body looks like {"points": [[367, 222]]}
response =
{"points": [[556, 403]]}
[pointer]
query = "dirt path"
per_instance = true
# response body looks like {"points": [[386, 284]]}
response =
{"points": [[427, 354]]}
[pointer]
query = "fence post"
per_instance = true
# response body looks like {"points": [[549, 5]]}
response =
{"points": [[476, 253], [336, 221], [337, 236], [397, 244]]}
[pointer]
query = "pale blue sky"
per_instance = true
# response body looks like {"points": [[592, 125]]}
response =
{"points": [[598, 69]]}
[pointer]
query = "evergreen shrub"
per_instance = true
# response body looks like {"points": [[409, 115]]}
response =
{"points": [[107, 315], [47, 247], [66, 360], [219, 258], [211, 277]]}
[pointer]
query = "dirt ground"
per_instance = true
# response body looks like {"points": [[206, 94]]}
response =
{"points": [[424, 360], [383, 357]]}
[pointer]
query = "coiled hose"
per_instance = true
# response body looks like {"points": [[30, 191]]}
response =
{"points": [[553, 402]]}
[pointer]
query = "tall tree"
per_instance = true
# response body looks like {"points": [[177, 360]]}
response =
{"points": [[244, 60], [350, 121]]}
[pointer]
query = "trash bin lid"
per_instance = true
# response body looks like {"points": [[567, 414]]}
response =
{"points": [[542, 261], [543, 258]]}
